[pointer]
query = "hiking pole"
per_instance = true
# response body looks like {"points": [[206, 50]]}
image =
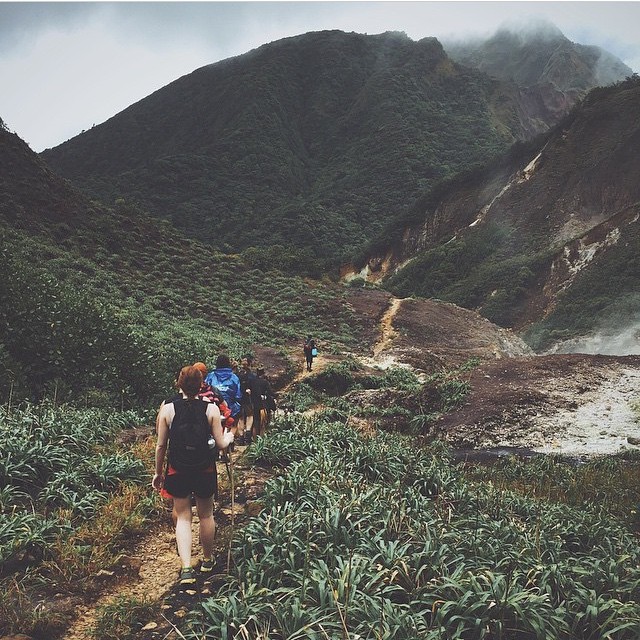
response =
{"points": [[229, 465]]}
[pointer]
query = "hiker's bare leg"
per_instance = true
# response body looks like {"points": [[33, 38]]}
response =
{"points": [[182, 509], [248, 424], [207, 525]]}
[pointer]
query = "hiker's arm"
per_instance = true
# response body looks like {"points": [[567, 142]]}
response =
{"points": [[222, 437], [162, 427]]}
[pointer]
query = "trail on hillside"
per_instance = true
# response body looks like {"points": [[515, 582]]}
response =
{"points": [[154, 558], [157, 564], [387, 332]]}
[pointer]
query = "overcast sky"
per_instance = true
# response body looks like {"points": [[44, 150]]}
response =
{"points": [[67, 66]]}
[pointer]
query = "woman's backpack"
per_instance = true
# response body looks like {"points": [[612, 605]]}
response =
{"points": [[191, 445]]}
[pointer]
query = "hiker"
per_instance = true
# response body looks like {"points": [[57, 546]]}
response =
{"points": [[190, 429], [263, 403], [245, 417], [310, 351], [227, 383], [211, 394]]}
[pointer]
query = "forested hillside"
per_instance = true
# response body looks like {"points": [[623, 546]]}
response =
{"points": [[117, 301], [315, 141], [544, 239]]}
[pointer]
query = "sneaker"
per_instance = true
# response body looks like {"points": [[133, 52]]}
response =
{"points": [[206, 566], [187, 576]]}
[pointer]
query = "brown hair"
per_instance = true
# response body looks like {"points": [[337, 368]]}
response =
{"points": [[202, 367], [190, 380]]}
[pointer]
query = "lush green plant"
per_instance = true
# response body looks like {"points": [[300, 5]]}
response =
{"points": [[55, 467], [364, 534], [608, 484]]}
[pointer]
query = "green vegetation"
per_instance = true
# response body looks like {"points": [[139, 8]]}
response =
{"points": [[483, 269], [603, 297], [123, 619], [365, 534], [70, 497], [312, 143], [119, 324], [608, 483]]}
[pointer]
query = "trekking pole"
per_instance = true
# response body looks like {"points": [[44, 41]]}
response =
{"points": [[229, 465]]}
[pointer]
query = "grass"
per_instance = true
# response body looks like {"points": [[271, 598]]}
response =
{"points": [[373, 537], [71, 502], [609, 484], [123, 618]]}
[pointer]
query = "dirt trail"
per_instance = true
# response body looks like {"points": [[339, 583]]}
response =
{"points": [[155, 555], [387, 332], [382, 357]]}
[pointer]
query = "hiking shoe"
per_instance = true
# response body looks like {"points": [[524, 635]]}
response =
{"points": [[187, 576], [206, 566]]}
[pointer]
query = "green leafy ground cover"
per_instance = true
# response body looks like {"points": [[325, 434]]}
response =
{"points": [[120, 324], [375, 538], [70, 495]]}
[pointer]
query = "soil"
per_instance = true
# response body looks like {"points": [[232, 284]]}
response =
{"points": [[574, 404], [571, 404]]}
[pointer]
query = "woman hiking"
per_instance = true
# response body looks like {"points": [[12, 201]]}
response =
{"points": [[224, 380], [190, 429]]}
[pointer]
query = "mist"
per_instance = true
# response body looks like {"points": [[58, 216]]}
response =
{"points": [[625, 342]]}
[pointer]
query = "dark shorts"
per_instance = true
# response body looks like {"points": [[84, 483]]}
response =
{"points": [[182, 485], [246, 409]]}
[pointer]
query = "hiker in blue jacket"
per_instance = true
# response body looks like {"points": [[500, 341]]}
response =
{"points": [[228, 384]]}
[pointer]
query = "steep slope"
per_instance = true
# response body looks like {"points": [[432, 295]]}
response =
{"points": [[547, 234], [315, 141]]}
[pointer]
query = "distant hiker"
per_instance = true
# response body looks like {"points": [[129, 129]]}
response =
{"points": [[227, 383], [209, 393], [310, 351], [264, 403], [245, 417], [191, 430]]}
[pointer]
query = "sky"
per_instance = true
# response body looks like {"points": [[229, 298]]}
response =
{"points": [[66, 66]]}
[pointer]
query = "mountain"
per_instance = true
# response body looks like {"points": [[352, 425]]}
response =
{"points": [[545, 239], [105, 303], [314, 141], [540, 57], [540, 54]]}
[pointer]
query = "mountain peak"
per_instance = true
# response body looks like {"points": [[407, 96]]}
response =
{"points": [[529, 31]]}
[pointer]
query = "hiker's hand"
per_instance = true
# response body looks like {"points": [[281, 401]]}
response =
{"points": [[228, 438], [157, 481]]}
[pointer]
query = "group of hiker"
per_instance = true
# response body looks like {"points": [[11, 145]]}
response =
{"points": [[199, 424], [210, 411]]}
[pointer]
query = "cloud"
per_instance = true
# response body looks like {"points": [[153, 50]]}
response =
{"points": [[65, 66]]}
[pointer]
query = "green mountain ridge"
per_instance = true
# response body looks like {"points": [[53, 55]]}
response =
{"points": [[544, 239], [314, 141], [117, 301]]}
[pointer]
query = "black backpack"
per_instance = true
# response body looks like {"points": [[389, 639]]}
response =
{"points": [[189, 437]]}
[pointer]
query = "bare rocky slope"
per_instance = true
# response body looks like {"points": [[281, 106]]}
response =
{"points": [[530, 235]]}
